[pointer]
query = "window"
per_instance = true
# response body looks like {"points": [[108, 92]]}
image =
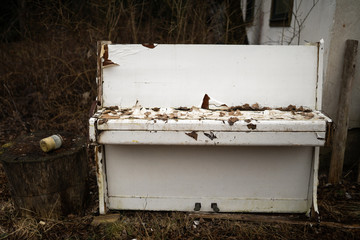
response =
{"points": [[281, 13]]}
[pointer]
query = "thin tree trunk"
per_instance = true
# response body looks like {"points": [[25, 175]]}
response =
{"points": [[340, 136]]}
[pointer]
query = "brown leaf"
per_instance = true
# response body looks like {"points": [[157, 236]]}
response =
{"points": [[149, 45], [205, 103], [108, 63], [163, 117], [255, 106]]}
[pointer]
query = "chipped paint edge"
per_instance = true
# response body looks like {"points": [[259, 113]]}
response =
{"points": [[320, 73], [315, 179], [313, 184], [101, 179], [264, 205], [222, 138], [99, 75]]}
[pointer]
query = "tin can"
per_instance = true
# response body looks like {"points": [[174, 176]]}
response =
{"points": [[51, 143]]}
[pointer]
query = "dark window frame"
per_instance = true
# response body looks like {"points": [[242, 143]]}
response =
{"points": [[280, 19]]}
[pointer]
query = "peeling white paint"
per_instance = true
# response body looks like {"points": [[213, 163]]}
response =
{"points": [[195, 119], [315, 178], [248, 138], [101, 179], [180, 75], [157, 156]]}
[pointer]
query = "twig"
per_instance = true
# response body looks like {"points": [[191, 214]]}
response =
{"points": [[143, 224], [272, 219]]}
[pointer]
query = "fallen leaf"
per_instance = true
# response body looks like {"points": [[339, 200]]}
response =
{"points": [[109, 63], [163, 117], [205, 102], [149, 45], [255, 106]]}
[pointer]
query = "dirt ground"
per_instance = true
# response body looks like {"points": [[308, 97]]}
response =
{"points": [[339, 219]]}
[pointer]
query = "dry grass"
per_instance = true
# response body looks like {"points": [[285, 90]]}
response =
{"points": [[167, 225]]}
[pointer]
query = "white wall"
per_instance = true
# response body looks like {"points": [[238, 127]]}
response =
{"points": [[346, 26], [331, 20], [316, 20], [315, 26]]}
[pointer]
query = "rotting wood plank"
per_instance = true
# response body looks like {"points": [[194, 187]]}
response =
{"points": [[271, 219], [339, 142]]}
